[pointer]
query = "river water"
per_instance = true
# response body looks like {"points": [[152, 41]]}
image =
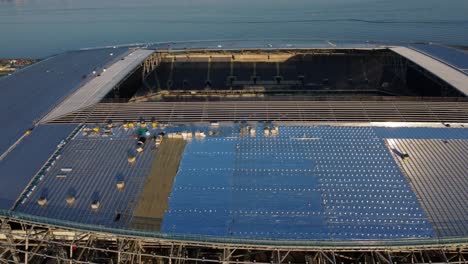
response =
{"points": [[38, 28]]}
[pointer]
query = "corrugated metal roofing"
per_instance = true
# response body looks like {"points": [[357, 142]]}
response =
{"points": [[89, 169], [438, 173], [19, 167], [96, 89], [452, 56], [445, 72], [30, 93], [421, 133], [305, 183], [264, 44]]}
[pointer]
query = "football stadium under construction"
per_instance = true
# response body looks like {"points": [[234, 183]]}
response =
{"points": [[237, 152]]}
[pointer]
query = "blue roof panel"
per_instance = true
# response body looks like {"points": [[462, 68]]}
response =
{"points": [[19, 166], [304, 183], [455, 57], [96, 164], [30, 93], [263, 44]]}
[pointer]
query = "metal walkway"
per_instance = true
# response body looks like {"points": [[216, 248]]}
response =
{"points": [[452, 76], [97, 88]]}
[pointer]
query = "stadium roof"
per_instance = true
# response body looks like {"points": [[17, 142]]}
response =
{"points": [[29, 94], [447, 72], [286, 179], [96, 89], [18, 167], [306, 182], [456, 58]]}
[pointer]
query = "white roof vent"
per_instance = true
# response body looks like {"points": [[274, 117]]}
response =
{"points": [[95, 205], [120, 185], [70, 200], [42, 201]]}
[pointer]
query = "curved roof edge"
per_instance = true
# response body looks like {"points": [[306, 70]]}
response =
{"points": [[251, 243]]}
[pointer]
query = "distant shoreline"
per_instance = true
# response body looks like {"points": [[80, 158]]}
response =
{"points": [[8, 66], [461, 47]]}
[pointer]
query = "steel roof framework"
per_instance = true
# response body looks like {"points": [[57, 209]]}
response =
{"points": [[36, 242], [299, 111]]}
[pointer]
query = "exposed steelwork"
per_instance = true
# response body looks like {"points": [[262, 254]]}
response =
{"points": [[34, 243], [368, 93], [300, 111]]}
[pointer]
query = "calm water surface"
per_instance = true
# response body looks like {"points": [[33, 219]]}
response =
{"points": [[38, 28]]}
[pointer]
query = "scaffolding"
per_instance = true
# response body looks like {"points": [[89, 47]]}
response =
{"points": [[23, 241]]}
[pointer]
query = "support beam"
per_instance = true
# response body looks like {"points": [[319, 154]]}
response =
{"points": [[29, 243], [283, 258], [11, 242]]}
